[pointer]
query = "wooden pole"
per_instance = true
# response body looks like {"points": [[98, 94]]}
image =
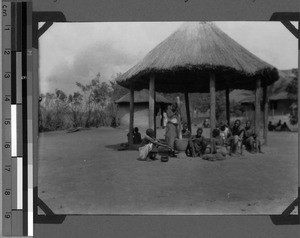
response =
{"points": [[179, 117], [131, 117], [227, 106], [257, 105], [152, 103], [212, 80], [187, 108], [266, 112]]}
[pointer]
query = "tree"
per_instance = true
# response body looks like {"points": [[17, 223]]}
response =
{"points": [[96, 97], [53, 107], [75, 104]]}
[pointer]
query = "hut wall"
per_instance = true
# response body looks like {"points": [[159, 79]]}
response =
{"points": [[276, 108], [141, 113], [280, 107]]}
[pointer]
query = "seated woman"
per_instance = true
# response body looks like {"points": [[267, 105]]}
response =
{"points": [[278, 126], [216, 141], [206, 123], [218, 150], [236, 136], [185, 131], [284, 127], [250, 140], [197, 144], [249, 136], [224, 132], [149, 146], [271, 127]]}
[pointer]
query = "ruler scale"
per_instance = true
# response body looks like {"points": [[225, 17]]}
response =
{"points": [[17, 199], [16, 118], [6, 116], [24, 113]]}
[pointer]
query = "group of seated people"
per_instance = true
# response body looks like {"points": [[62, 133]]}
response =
{"points": [[223, 137], [278, 127], [210, 149]]}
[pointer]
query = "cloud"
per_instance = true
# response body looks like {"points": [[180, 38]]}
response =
{"points": [[71, 52], [270, 41], [101, 57]]}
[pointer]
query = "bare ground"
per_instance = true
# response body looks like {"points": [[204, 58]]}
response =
{"points": [[83, 173]]}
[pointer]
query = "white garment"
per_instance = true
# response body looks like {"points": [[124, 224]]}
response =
{"points": [[144, 150], [224, 134], [165, 119], [174, 120]]}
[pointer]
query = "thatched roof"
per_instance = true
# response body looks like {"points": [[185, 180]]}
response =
{"points": [[242, 96], [183, 61], [142, 97]]}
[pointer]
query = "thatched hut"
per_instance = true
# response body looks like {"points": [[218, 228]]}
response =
{"points": [[199, 57], [141, 108], [279, 98]]}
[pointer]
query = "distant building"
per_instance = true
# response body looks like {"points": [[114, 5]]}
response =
{"points": [[279, 100], [141, 108]]}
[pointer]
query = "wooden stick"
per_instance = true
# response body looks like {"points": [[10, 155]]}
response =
{"points": [[179, 118], [131, 118], [266, 112], [152, 103], [227, 106], [187, 108], [212, 81], [257, 105]]}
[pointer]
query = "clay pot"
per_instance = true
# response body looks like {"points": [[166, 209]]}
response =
{"points": [[164, 159], [180, 146]]}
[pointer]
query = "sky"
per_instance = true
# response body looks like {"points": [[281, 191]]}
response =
{"points": [[76, 52]]}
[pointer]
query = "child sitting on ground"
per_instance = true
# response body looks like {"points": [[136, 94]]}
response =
{"points": [[149, 146], [197, 144], [218, 150], [137, 138]]}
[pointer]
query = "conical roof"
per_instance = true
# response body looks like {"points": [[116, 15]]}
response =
{"points": [[141, 97], [184, 60]]}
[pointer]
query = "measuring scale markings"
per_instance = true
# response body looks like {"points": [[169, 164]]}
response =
{"points": [[17, 219]]}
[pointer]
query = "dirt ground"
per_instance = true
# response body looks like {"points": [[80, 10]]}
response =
{"points": [[83, 173]]}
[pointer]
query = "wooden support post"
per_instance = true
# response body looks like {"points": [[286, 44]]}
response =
{"points": [[131, 117], [266, 112], [152, 103], [257, 105], [227, 106], [212, 80], [187, 108], [179, 128]]}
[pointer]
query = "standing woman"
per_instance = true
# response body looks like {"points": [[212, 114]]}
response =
{"points": [[165, 119], [172, 124]]}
